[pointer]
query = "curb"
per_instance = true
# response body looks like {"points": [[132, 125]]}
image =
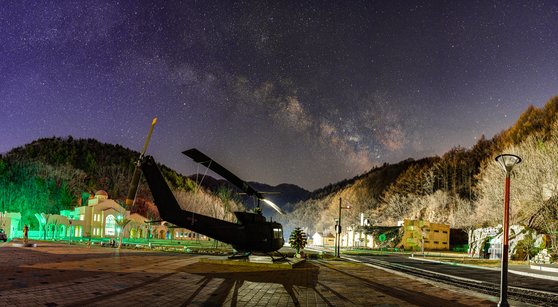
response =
{"points": [[535, 275]]}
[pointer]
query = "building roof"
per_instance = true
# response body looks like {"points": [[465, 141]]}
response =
{"points": [[101, 192]]}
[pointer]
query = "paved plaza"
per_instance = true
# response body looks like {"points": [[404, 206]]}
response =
{"points": [[69, 275]]}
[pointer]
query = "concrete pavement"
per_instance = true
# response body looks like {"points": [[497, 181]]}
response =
{"points": [[69, 275]]}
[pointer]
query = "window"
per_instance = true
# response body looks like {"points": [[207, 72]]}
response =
{"points": [[110, 225], [77, 231], [81, 217], [436, 242], [436, 231], [444, 231], [445, 243], [277, 233]]}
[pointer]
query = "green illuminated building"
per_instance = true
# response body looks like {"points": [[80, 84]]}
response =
{"points": [[102, 217]]}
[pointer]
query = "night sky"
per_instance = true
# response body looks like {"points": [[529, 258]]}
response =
{"points": [[303, 92]]}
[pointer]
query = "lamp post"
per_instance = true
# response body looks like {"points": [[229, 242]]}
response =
{"points": [[507, 162], [338, 229], [71, 228]]}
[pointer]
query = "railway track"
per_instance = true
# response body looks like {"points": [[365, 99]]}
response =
{"points": [[536, 297]]}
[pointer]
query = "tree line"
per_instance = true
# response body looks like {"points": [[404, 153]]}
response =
{"points": [[53, 174]]}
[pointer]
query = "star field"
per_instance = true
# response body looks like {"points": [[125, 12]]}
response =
{"points": [[303, 92]]}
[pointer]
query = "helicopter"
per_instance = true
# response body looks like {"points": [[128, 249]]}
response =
{"points": [[252, 232]]}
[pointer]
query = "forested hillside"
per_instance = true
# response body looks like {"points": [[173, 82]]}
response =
{"points": [[52, 174], [463, 187], [362, 193]]}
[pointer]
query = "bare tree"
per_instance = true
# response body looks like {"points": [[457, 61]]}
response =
{"points": [[534, 182]]}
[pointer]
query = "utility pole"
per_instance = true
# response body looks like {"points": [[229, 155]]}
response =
{"points": [[338, 229], [337, 232]]}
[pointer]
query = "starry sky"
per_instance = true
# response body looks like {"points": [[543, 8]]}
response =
{"points": [[302, 92]]}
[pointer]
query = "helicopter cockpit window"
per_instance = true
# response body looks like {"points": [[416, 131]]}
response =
{"points": [[277, 233]]}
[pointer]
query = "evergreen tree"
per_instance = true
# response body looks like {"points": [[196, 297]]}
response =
{"points": [[298, 239]]}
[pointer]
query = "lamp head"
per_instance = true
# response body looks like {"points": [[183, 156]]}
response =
{"points": [[508, 161]]}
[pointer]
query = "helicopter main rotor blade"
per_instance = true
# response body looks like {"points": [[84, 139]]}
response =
{"points": [[272, 205], [206, 161]]}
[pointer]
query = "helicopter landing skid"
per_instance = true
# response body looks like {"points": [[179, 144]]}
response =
{"points": [[240, 255], [282, 257]]}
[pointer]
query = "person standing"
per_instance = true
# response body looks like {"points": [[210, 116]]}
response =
{"points": [[25, 234]]}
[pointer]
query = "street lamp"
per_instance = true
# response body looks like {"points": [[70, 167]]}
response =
{"points": [[507, 162], [70, 218], [338, 229]]}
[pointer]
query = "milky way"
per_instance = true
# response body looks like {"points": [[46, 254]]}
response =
{"points": [[305, 92]]}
